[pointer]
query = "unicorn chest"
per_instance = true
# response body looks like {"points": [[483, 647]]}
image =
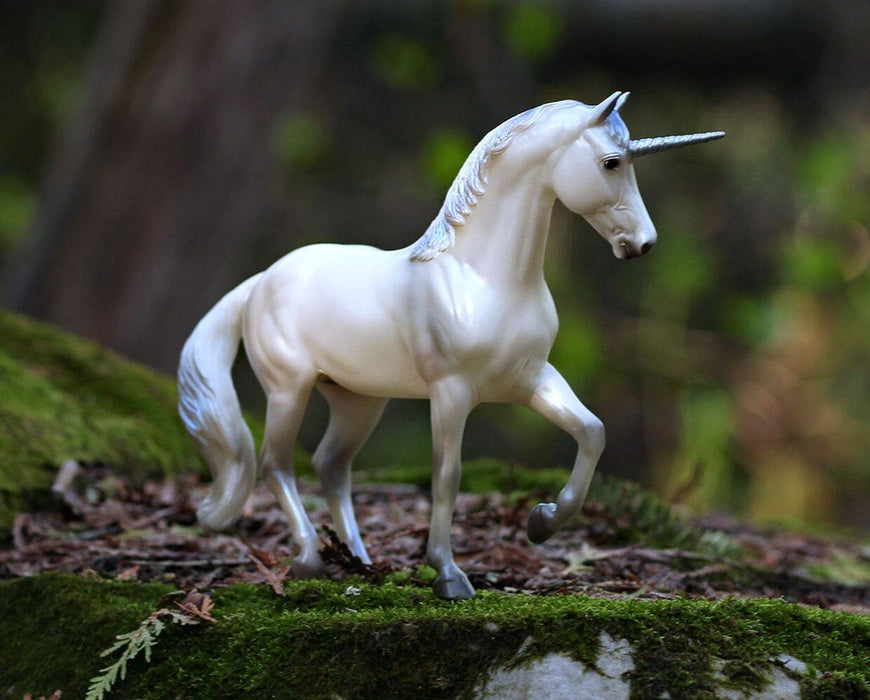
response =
{"points": [[488, 333]]}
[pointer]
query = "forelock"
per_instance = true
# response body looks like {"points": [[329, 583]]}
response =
{"points": [[617, 130]]}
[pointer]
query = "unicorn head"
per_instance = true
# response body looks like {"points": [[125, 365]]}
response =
{"points": [[593, 174]]}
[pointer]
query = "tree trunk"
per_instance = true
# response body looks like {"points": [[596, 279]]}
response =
{"points": [[162, 186]]}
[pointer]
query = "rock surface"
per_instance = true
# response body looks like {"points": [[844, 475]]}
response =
{"points": [[559, 677]]}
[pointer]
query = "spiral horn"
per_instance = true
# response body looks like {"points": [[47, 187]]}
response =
{"points": [[642, 147]]}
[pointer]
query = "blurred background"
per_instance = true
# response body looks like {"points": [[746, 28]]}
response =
{"points": [[154, 153]]}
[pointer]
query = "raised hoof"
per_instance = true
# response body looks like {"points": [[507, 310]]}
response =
{"points": [[307, 567], [538, 527], [453, 588]]}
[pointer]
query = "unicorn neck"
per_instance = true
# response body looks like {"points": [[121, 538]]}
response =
{"points": [[504, 237]]}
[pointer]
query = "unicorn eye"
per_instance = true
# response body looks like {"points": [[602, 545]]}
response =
{"points": [[611, 163]]}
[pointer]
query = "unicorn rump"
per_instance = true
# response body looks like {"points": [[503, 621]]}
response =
{"points": [[460, 317]]}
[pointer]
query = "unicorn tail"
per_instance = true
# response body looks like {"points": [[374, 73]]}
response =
{"points": [[210, 409]]}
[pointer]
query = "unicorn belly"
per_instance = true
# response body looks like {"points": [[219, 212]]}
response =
{"points": [[378, 324]]}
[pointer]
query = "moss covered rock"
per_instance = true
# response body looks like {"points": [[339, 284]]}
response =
{"points": [[67, 398], [328, 639]]}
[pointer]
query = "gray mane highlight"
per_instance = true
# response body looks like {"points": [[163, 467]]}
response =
{"points": [[470, 183]]}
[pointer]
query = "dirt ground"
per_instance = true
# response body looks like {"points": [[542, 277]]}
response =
{"points": [[100, 523]]}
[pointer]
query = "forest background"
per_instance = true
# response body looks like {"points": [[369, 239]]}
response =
{"points": [[154, 153]]}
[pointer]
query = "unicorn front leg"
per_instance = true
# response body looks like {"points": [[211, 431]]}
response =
{"points": [[552, 398], [451, 402]]}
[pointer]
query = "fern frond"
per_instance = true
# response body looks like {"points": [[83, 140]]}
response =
{"points": [[144, 639]]}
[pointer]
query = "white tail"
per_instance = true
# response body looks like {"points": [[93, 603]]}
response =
{"points": [[210, 409]]}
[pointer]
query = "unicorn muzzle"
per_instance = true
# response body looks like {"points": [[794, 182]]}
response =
{"points": [[625, 248]]}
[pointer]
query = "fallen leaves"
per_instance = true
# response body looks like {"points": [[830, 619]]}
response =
{"points": [[271, 568], [104, 525], [198, 606]]}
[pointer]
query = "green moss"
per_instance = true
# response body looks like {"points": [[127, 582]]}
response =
{"points": [[834, 686], [401, 641], [55, 624], [67, 398], [744, 675]]}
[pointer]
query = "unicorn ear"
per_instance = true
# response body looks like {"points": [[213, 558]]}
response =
{"points": [[603, 110], [620, 103]]}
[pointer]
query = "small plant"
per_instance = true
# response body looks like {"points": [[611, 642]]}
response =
{"points": [[195, 608], [624, 513]]}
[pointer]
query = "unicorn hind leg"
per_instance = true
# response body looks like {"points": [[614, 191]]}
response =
{"points": [[284, 412], [352, 417]]}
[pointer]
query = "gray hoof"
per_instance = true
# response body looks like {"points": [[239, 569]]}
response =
{"points": [[538, 528], [307, 567], [455, 588]]}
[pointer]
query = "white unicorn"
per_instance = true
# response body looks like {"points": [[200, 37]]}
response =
{"points": [[460, 317]]}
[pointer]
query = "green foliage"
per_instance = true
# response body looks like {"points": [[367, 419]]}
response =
{"points": [[681, 273], [17, 204], [532, 30], [637, 516], [66, 623], [749, 319], [40, 86], [580, 352], [707, 452], [813, 263], [478, 476], [303, 142], [843, 567], [833, 172], [404, 63], [443, 153]]}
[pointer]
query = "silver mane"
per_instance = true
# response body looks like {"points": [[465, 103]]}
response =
{"points": [[470, 184]]}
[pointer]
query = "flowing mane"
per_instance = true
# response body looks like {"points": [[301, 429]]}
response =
{"points": [[470, 183]]}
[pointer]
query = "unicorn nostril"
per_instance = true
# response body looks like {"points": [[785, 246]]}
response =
{"points": [[646, 247]]}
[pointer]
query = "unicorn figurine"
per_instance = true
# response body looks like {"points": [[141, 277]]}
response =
{"points": [[461, 316]]}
